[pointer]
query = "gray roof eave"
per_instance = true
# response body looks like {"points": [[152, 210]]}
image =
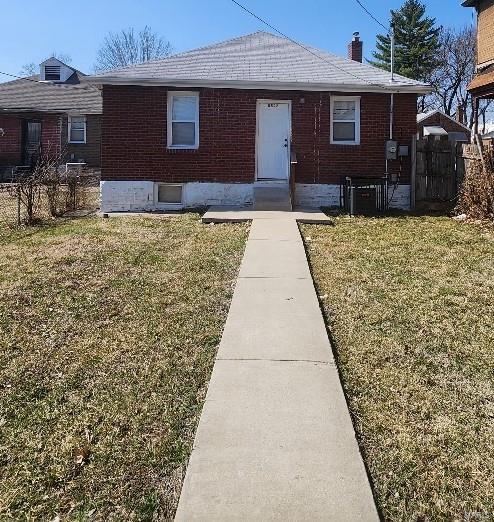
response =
{"points": [[74, 110], [269, 85]]}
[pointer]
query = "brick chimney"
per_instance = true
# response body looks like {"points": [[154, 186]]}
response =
{"points": [[356, 48], [460, 114]]}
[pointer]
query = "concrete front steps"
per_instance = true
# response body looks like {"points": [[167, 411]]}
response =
{"points": [[272, 195]]}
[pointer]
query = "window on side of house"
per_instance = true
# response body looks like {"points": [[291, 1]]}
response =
{"points": [[169, 194], [183, 120], [345, 120], [77, 129]]}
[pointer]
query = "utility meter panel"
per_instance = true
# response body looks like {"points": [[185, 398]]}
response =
{"points": [[391, 150]]}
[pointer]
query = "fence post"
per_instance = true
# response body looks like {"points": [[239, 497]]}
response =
{"points": [[413, 174], [18, 191]]}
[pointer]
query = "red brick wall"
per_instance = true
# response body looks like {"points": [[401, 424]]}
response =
{"points": [[11, 142], [89, 152], [134, 136], [51, 125]]}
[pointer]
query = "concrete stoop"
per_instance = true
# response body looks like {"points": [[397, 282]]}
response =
{"points": [[272, 196], [223, 214]]}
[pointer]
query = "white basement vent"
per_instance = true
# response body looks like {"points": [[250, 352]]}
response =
{"points": [[52, 72], [170, 194]]}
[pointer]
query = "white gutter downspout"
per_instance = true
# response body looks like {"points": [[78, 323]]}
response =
{"points": [[392, 102], [392, 96], [391, 116]]}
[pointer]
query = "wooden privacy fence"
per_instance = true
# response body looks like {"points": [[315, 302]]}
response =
{"points": [[439, 170]]}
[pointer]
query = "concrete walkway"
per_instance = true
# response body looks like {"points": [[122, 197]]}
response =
{"points": [[275, 440], [226, 214]]}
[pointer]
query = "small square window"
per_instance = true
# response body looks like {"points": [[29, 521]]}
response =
{"points": [[169, 194]]}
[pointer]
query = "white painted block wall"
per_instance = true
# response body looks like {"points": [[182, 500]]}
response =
{"points": [[205, 194], [126, 196], [320, 195], [132, 196]]}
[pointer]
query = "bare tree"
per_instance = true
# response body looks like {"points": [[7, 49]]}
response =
{"points": [[63, 57], [456, 69], [127, 48], [29, 69], [42, 181], [457, 60]]}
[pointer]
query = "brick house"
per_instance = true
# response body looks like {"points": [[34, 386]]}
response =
{"points": [[439, 125], [50, 112], [213, 125], [482, 86]]}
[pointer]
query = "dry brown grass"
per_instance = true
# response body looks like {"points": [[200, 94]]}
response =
{"points": [[108, 333], [411, 310]]}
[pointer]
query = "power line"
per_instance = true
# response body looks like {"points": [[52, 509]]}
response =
{"points": [[304, 47], [372, 16], [20, 77]]}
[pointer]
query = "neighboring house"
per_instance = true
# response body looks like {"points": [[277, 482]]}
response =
{"points": [[50, 112], [212, 125], [482, 86], [441, 126]]}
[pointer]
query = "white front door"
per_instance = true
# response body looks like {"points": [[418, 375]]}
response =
{"points": [[273, 139]]}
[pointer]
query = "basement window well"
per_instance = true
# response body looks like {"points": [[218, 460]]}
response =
{"points": [[169, 195]]}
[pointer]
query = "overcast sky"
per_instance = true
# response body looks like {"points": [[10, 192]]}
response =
{"points": [[33, 29]]}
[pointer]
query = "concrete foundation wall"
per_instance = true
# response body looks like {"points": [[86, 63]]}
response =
{"points": [[319, 195], [122, 196], [399, 197]]}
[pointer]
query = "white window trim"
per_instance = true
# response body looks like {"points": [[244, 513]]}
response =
{"points": [[355, 99], [169, 206], [70, 124], [171, 95]]}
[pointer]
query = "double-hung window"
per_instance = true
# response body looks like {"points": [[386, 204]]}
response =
{"points": [[345, 120], [183, 120], [77, 129]]}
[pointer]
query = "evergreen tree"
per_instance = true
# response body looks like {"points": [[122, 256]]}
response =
{"points": [[416, 43]]}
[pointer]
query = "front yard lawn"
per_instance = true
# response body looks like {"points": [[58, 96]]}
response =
{"points": [[108, 333], [410, 307]]}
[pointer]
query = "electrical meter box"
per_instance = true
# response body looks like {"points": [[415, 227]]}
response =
{"points": [[391, 150]]}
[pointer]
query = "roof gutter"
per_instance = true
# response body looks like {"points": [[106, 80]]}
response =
{"points": [[275, 86]]}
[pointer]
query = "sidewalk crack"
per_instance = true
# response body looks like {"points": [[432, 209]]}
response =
{"points": [[315, 361]]}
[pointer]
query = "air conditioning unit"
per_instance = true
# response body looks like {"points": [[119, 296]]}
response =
{"points": [[364, 196]]}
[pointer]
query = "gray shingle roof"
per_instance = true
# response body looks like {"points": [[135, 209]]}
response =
{"points": [[26, 95], [425, 115], [259, 58]]}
